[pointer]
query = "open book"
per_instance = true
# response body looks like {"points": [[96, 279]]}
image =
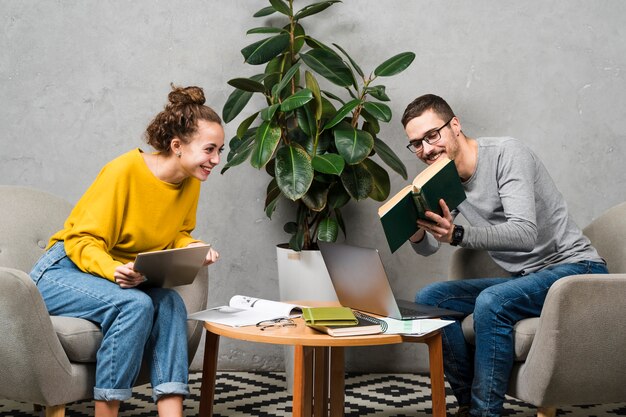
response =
{"points": [[400, 213], [247, 311]]}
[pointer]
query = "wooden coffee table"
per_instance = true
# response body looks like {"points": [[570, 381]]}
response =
{"points": [[318, 383]]}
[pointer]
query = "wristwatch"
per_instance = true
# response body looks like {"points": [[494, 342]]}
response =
{"points": [[457, 235]]}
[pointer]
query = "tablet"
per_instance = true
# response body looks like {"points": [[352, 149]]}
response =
{"points": [[171, 267]]}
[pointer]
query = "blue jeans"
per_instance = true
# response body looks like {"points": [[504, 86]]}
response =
{"points": [[148, 323], [479, 375]]}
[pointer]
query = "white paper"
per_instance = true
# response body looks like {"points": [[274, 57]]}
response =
{"points": [[416, 327], [247, 311]]}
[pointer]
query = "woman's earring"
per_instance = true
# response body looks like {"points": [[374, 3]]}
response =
{"points": [[179, 154]]}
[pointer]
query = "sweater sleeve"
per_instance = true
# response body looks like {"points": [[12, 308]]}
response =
{"points": [[94, 226]]}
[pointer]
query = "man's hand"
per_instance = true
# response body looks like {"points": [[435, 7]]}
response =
{"points": [[441, 227], [211, 257], [127, 277]]}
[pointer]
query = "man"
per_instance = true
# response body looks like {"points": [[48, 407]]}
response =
{"points": [[517, 214]]}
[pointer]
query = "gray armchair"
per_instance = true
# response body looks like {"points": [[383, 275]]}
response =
{"points": [[48, 360], [573, 353]]}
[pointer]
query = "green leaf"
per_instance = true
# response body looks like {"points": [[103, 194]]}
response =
{"points": [[297, 241], [266, 11], [339, 218], [304, 121], [286, 78], [294, 172], [273, 194], [291, 228], [314, 8], [242, 152], [329, 163], [382, 185], [281, 7], [394, 65], [264, 50], [328, 230], [352, 61], [243, 127], [378, 110], [338, 196], [265, 29], [333, 96], [268, 112], [353, 145], [329, 66], [378, 92], [247, 84], [267, 138], [389, 157], [298, 99], [311, 84], [357, 181], [342, 113], [315, 197], [235, 103]]}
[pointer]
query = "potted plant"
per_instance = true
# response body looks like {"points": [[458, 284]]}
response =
{"points": [[318, 146]]}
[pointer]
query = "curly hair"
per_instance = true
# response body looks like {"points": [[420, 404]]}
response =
{"points": [[179, 118]]}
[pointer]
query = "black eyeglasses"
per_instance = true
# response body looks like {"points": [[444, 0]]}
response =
{"points": [[275, 323], [417, 145]]}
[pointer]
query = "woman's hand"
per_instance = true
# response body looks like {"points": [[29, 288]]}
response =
{"points": [[211, 257], [441, 227], [127, 277]]}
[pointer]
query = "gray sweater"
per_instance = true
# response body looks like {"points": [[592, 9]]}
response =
{"points": [[516, 212]]}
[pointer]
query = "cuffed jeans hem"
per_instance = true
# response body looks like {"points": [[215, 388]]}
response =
{"points": [[103, 394], [170, 388]]}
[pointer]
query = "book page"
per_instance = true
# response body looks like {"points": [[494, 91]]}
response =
{"points": [[416, 327], [429, 172], [246, 311], [389, 204], [278, 308]]}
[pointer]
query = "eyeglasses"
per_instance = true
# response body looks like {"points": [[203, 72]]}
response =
{"points": [[416, 145], [275, 323]]}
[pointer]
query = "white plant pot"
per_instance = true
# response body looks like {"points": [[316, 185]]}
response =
{"points": [[302, 276]]}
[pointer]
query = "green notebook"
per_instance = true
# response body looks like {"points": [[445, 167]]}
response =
{"points": [[329, 316]]}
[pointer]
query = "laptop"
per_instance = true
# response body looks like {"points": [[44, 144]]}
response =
{"points": [[361, 283], [171, 267]]}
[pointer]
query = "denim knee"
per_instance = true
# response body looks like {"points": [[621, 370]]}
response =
{"points": [[433, 294]]}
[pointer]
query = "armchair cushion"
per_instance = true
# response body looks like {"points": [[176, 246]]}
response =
{"points": [[523, 334], [80, 338]]}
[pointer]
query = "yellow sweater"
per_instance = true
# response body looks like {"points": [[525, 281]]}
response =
{"points": [[125, 211]]}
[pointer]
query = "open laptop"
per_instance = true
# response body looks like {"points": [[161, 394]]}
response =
{"points": [[171, 267], [361, 283]]}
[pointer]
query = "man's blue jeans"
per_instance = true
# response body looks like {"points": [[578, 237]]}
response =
{"points": [[148, 323], [478, 375]]}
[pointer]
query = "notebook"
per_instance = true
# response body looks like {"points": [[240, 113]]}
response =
{"points": [[171, 267], [361, 283]]}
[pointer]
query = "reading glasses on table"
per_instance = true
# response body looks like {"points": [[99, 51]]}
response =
{"points": [[276, 323], [417, 145]]}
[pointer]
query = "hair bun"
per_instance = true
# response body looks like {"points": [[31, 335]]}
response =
{"points": [[186, 95]]}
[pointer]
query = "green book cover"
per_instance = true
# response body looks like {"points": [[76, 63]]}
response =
{"points": [[329, 316], [399, 214]]}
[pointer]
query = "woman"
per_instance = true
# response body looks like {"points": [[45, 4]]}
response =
{"points": [[139, 202]]}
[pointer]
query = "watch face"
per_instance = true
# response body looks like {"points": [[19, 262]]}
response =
{"points": [[457, 235]]}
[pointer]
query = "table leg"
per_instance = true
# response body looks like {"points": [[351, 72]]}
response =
{"points": [[337, 381], [209, 371], [320, 382], [302, 381], [435, 354]]}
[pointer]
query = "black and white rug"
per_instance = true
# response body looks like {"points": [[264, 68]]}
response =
{"points": [[263, 394]]}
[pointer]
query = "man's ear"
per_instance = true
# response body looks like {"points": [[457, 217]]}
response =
{"points": [[455, 124]]}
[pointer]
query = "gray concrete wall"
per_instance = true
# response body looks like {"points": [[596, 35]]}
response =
{"points": [[80, 80]]}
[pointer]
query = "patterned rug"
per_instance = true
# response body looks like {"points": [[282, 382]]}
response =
{"points": [[263, 394]]}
